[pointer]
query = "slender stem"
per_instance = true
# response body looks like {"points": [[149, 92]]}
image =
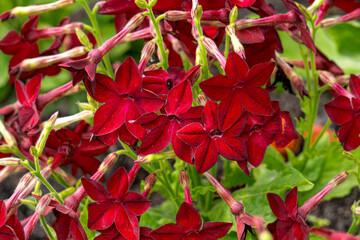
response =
{"points": [[321, 134], [227, 45], [96, 31], [46, 228], [129, 153], [354, 226], [167, 184], [159, 40]]}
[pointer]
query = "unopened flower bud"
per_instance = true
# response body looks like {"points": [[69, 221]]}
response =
{"points": [[64, 121], [213, 49], [149, 184], [83, 38], [34, 9], [24, 181], [201, 99], [86, 106], [307, 14], [236, 207], [177, 15], [40, 208], [265, 235], [10, 161], [67, 192], [185, 182], [338, 179], [133, 172], [237, 46], [329, 79], [233, 14], [9, 138], [108, 162], [141, 4], [146, 53], [198, 12], [354, 15], [48, 126], [152, 3]]}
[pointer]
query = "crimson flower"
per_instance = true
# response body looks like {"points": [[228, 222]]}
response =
{"points": [[118, 205], [124, 100], [344, 111], [112, 233], [74, 147], [333, 235], [10, 228], [187, 227], [220, 135], [241, 87]]}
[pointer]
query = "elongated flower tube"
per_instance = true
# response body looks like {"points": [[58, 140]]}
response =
{"points": [[24, 181], [149, 184], [9, 138], [185, 183], [329, 79], [34, 9], [10, 161], [213, 49], [354, 15], [237, 46]]}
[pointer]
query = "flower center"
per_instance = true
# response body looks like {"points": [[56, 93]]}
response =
{"points": [[169, 84], [216, 132]]}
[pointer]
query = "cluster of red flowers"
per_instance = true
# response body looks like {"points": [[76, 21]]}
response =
{"points": [[151, 108]]}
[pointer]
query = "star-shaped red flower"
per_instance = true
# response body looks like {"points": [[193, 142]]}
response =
{"points": [[117, 205], [187, 227]]}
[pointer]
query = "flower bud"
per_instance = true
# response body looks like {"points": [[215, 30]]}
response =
{"points": [[149, 184], [329, 79], [152, 3], [185, 182], [237, 46], [201, 99], [307, 14], [338, 179], [67, 192], [35, 9], [24, 181], [10, 161], [146, 53], [48, 126], [108, 162], [40, 208], [198, 12], [86, 106], [141, 4], [133, 172], [64, 121], [83, 38], [354, 15], [9, 138], [213, 49], [177, 15], [233, 14]]}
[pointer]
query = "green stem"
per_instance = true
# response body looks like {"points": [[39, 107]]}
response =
{"points": [[227, 45], [159, 40], [167, 184], [354, 226], [321, 134], [97, 34], [130, 153], [46, 228]]}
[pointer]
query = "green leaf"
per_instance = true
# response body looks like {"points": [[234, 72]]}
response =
{"points": [[159, 215], [234, 176], [84, 219]]}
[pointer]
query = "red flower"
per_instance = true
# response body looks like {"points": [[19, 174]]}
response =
{"points": [[10, 228], [118, 205], [74, 147], [187, 227], [241, 86], [344, 111], [220, 135], [124, 101], [333, 235]]}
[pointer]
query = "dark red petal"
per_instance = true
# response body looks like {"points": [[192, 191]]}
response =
{"points": [[105, 89], [127, 223], [236, 68], [259, 74], [217, 87], [354, 85], [157, 85], [11, 43], [86, 163], [193, 134], [156, 140], [191, 116], [101, 215], [237, 128], [95, 190], [148, 101], [92, 148], [118, 183], [135, 129], [109, 116], [168, 231], [179, 99], [113, 7], [215, 229], [136, 203], [188, 217], [3, 213], [256, 147], [210, 115], [340, 110], [33, 87], [291, 202], [231, 148], [128, 77], [257, 101], [206, 156], [277, 206], [152, 120], [242, 3], [21, 94], [349, 134], [181, 149], [230, 110]]}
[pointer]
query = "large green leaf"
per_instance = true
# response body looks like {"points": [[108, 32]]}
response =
{"points": [[159, 215]]}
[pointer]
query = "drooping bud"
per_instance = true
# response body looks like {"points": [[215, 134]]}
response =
{"points": [[35, 9], [236, 207], [9, 138], [185, 183], [233, 15], [213, 49], [177, 15], [64, 121], [24, 181], [146, 53], [141, 4], [290, 17], [48, 126], [108, 162], [40, 208], [354, 15], [149, 184], [349, 155], [237, 46], [10, 161], [310, 204], [45, 61], [329, 79], [294, 78]]}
